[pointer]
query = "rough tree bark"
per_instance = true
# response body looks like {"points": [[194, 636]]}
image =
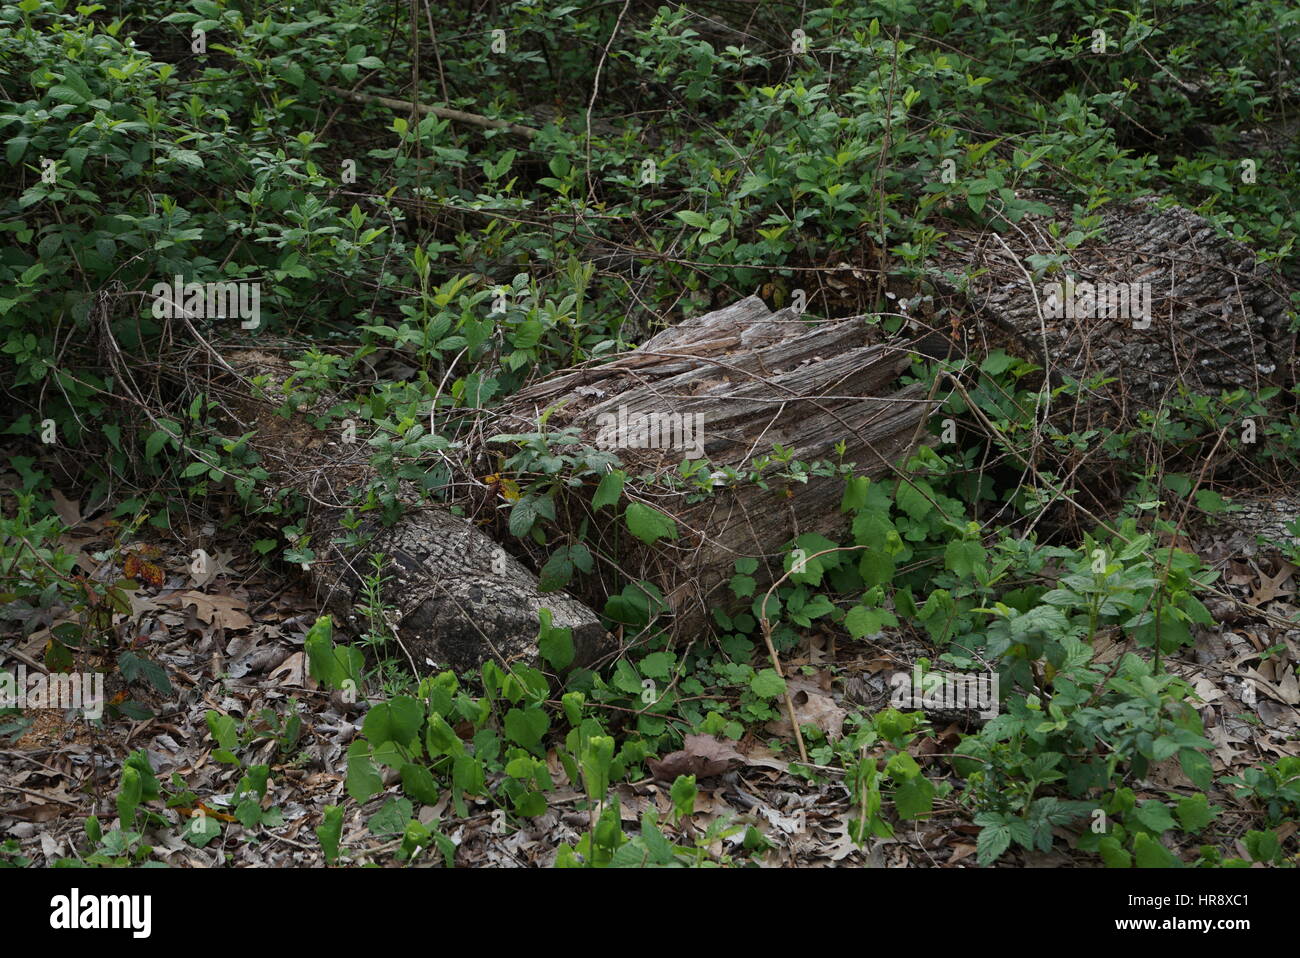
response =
{"points": [[460, 598], [756, 379], [1217, 321]]}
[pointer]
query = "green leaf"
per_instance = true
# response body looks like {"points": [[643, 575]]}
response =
{"points": [[522, 516], [692, 218], [1155, 815], [73, 89], [657, 665], [572, 703], [963, 557], [1194, 812], [914, 798], [1196, 766], [1149, 853], [743, 586], [15, 149], [149, 787], [767, 684], [128, 797], [554, 645], [397, 720], [996, 362], [649, 525], [391, 819], [153, 445], [223, 730], [683, 794], [814, 565], [440, 739], [322, 664], [855, 493], [1262, 846], [610, 488], [329, 831], [862, 620], [914, 498], [876, 568], [992, 842], [1113, 853], [526, 726], [595, 760], [201, 830], [364, 780], [248, 812], [135, 667], [556, 571]]}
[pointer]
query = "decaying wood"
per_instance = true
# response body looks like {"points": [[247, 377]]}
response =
{"points": [[756, 380], [1263, 524], [1218, 319], [460, 598]]}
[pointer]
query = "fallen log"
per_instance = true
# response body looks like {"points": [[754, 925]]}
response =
{"points": [[746, 389], [1157, 303], [1215, 317], [460, 599]]}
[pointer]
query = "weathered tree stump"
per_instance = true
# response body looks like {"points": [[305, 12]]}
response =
{"points": [[751, 380]]}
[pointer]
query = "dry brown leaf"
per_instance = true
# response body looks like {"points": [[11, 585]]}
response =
{"points": [[1289, 686], [1287, 696], [1169, 774], [760, 756], [68, 510], [701, 755], [842, 845], [1271, 587], [219, 564], [224, 611], [812, 706], [960, 850], [289, 672]]}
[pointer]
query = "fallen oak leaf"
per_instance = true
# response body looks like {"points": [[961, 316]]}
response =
{"points": [[760, 756], [1270, 587], [701, 755], [213, 566], [224, 611]]}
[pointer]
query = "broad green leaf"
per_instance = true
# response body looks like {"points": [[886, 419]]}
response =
{"points": [[364, 780], [526, 726], [767, 684], [649, 525], [610, 488], [915, 497]]}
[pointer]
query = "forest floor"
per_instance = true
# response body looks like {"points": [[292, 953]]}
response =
{"points": [[231, 640]]}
